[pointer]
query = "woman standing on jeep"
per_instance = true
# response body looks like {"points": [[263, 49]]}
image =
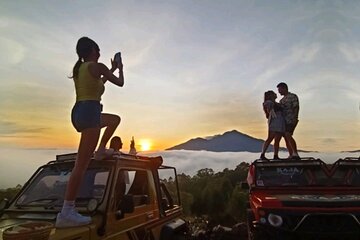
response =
{"points": [[276, 123], [89, 77]]}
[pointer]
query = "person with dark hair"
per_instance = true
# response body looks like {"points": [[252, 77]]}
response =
{"points": [[89, 77], [276, 124], [116, 144], [290, 105]]}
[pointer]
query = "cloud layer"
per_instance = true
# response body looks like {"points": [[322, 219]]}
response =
{"points": [[17, 165]]}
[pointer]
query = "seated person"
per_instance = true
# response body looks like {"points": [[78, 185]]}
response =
{"points": [[116, 144]]}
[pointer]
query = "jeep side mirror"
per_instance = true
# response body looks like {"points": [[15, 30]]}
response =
{"points": [[126, 206], [244, 185], [164, 203], [144, 199]]}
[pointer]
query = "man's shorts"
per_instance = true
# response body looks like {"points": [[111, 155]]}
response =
{"points": [[86, 114], [290, 128]]}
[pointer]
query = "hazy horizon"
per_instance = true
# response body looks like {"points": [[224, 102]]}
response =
{"points": [[185, 161]]}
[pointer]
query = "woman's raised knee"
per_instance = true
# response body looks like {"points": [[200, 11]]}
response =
{"points": [[110, 120], [116, 120]]}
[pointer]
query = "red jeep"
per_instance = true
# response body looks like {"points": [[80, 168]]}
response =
{"points": [[304, 199]]}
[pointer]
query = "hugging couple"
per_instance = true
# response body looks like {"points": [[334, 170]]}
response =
{"points": [[282, 120]]}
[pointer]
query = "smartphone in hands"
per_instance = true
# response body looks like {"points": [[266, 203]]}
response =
{"points": [[117, 58]]}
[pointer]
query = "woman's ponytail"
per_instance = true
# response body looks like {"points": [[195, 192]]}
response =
{"points": [[76, 68], [84, 47]]}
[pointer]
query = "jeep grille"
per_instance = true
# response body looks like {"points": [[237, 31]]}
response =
{"points": [[327, 223]]}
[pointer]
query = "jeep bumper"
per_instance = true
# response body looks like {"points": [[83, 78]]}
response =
{"points": [[319, 225]]}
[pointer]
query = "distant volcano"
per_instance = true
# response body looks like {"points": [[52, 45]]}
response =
{"points": [[232, 141]]}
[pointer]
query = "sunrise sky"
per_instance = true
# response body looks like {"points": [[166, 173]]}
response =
{"points": [[192, 68]]}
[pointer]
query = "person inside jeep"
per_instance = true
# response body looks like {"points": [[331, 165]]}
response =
{"points": [[116, 144]]}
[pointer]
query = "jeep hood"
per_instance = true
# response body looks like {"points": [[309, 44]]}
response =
{"points": [[309, 200], [80, 233]]}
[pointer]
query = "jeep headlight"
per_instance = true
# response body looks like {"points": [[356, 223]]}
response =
{"points": [[275, 220]]}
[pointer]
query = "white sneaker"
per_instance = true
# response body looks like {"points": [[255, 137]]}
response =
{"points": [[72, 219]]}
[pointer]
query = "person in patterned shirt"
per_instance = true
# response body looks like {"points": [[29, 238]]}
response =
{"points": [[290, 105]]}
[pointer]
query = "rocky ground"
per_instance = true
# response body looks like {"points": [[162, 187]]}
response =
{"points": [[201, 229]]}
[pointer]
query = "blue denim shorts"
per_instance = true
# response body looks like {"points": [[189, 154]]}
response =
{"points": [[86, 114]]}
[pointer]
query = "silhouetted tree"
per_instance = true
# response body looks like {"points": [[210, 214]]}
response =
{"points": [[216, 195]]}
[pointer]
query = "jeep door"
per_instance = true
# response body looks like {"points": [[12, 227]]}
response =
{"points": [[133, 204], [170, 205]]}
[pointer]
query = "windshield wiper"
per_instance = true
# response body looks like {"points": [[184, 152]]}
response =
{"points": [[52, 204], [49, 200]]}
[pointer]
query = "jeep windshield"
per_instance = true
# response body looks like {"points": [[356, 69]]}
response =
{"points": [[48, 187], [346, 172], [283, 174], [342, 173]]}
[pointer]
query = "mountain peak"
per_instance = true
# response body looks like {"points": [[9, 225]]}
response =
{"points": [[230, 141]]}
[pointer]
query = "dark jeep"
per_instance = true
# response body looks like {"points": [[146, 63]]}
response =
{"points": [[124, 195]]}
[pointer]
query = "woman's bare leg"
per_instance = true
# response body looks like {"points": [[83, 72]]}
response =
{"points": [[110, 122], [267, 142], [277, 145], [88, 141]]}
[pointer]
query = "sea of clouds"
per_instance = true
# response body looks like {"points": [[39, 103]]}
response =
{"points": [[189, 162], [17, 165]]}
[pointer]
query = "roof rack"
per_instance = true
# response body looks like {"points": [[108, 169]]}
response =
{"points": [[66, 157], [115, 156], [347, 161], [350, 158], [288, 160], [158, 160]]}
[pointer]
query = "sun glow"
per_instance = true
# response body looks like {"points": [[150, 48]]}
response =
{"points": [[145, 145]]}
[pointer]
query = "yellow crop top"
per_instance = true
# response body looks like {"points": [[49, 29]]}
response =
{"points": [[87, 87]]}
